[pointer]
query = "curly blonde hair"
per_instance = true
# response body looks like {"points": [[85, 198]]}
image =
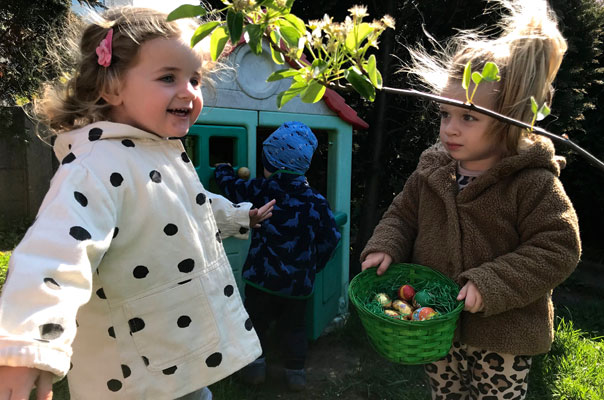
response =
{"points": [[75, 100], [528, 52]]}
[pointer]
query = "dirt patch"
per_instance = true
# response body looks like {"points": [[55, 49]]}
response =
{"points": [[330, 360]]}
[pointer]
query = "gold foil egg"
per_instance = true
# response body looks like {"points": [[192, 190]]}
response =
{"points": [[402, 307], [383, 299]]}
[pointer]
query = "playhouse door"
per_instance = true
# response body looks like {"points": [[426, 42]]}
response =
{"points": [[208, 145]]}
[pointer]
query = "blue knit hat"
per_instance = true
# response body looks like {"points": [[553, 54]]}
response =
{"points": [[290, 147]]}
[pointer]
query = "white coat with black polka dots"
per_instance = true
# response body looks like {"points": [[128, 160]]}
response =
{"points": [[126, 252]]}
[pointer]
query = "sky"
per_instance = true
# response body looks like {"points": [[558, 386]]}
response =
{"points": [[162, 5]]}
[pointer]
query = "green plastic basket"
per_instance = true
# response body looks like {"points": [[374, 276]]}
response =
{"points": [[402, 341]]}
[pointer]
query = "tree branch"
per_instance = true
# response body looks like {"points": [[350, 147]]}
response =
{"points": [[556, 138]]}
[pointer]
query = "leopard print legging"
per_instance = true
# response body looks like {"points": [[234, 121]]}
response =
{"points": [[469, 373]]}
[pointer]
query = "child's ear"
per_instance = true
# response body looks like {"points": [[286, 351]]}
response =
{"points": [[112, 95]]}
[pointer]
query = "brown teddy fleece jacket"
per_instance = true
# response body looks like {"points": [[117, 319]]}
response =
{"points": [[512, 231]]}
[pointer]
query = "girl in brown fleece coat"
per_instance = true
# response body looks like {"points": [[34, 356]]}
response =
{"points": [[486, 208]]}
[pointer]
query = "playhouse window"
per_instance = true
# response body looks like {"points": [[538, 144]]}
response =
{"points": [[222, 150]]}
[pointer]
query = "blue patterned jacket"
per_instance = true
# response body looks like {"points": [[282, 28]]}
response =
{"points": [[295, 243]]}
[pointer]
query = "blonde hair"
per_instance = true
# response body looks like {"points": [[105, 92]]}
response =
{"points": [[75, 100], [528, 52]]}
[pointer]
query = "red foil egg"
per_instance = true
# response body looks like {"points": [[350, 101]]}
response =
{"points": [[406, 292]]}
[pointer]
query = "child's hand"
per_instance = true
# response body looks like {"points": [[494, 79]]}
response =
{"points": [[473, 298], [257, 215], [16, 383], [381, 260]]}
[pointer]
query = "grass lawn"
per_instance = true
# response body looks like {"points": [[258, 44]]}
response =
{"points": [[573, 369]]}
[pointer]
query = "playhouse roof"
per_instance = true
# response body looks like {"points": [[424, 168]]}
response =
{"points": [[244, 86]]}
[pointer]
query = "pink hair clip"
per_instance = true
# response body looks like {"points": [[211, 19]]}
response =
{"points": [[103, 51]]}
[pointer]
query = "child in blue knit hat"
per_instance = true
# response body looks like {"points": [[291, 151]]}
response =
{"points": [[287, 250]]}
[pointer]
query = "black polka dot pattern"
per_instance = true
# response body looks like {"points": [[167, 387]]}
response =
{"points": [[128, 143], [186, 265], [116, 179], [200, 199], [95, 134], [116, 230], [136, 324], [51, 283], [79, 233], [183, 321], [126, 372], [243, 230], [155, 176], [140, 272], [114, 385], [235, 205], [185, 157], [170, 229], [145, 361], [51, 331], [101, 293], [214, 360], [111, 332], [169, 371], [80, 198], [248, 324], [68, 158], [218, 238], [183, 282], [228, 290]]}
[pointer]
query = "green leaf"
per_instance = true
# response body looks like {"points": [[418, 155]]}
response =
{"points": [[187, 11], [318, 66], [277, 56], [360, 83], [313, 92], [203, 31], [296, 23], [543, 112], [254, 37], [235, 25], [282, 74], [467, 75], [357, 35], [490, 72], [295, 89], [291, 35], [534, 106], [476, 77], [374, 75], [218, 40]]}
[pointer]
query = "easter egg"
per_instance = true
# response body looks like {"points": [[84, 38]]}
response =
{"points": [[243, 173], [422, 298], [423, 313], [383, 299], [403, 308], [392, 313], [406, 292]]}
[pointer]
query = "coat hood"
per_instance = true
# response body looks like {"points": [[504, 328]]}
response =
{"points": [[68, 141]]}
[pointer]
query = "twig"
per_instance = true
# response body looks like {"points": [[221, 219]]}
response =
{"points": [[556, 138]]}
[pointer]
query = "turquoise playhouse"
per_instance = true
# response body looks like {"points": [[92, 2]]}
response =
{"points": [[239, 113]]}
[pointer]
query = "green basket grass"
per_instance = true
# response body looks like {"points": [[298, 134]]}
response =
{"points": [[402, 341]]}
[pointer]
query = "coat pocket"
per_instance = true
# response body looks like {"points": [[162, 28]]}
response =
{"points": [[172, 326]]}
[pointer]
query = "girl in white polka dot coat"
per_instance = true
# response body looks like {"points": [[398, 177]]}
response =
{"points": [[126, 249]]}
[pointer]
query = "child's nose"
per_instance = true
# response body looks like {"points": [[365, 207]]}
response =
{"points": [[451, 127], [189, 91]]}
